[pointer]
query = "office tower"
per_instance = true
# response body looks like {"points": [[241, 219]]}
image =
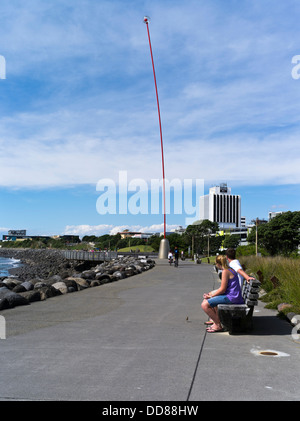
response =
{"points": [[221, 206]]}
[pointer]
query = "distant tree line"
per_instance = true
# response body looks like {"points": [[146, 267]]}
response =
{"points": [[279, 236]]}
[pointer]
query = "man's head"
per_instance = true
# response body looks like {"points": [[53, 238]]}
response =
{"points": [[230, 254]]}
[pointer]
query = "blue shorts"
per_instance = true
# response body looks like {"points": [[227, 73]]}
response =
{"points": [[218, 299]]}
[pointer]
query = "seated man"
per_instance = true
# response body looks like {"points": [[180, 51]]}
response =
{"points": [[235, 264]]}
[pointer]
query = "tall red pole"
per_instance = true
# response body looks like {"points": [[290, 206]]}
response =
{"points": [[146, 21]]}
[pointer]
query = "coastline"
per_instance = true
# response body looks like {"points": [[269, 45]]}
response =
{"points": [[36, 262], [46, 273]]}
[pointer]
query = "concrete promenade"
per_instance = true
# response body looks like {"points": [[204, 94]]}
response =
{"points": [[144, 339]]}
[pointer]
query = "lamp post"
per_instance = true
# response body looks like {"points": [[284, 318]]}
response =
{"points": [[164, 244]]}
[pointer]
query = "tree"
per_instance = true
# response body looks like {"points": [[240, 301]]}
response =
{"points": [[198, 234], [281, 235], [231, 241]]}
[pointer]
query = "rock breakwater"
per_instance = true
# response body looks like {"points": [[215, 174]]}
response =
{"points": [[47, 273]]}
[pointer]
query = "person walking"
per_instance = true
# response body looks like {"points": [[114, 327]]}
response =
{"points": [[176, 255]]}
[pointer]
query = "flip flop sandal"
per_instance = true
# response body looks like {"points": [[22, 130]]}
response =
{"points": [[214, 330], [209, 323]]}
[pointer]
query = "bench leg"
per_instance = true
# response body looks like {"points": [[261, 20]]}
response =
{"points": [[236, 321]]}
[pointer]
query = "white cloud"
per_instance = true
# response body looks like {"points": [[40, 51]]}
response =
{"points": [[228, 101], [59, 155], [99, 230]]}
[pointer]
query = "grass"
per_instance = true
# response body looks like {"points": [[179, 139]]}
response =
{"points": [[286, 270], [141, 248], [212, 260]]}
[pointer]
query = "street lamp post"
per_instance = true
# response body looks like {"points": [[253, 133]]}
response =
{"points": [[164, 244]]}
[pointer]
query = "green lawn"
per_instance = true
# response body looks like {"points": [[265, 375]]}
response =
{"points": [[141, 248]]}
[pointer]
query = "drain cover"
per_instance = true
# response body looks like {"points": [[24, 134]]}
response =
{"points": [[269, 353]]}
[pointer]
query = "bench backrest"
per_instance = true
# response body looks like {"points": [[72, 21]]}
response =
{"points": [[250, 292]]}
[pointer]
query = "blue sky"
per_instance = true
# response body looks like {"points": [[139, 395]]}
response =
{"points": [[78, 106]]}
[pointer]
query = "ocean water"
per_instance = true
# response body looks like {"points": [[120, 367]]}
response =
{"points": [[6, 264]]}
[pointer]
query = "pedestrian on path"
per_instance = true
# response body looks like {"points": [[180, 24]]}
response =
{"points": [[176, 254]]}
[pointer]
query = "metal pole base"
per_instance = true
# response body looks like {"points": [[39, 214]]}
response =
{"points": [[164, 249]]}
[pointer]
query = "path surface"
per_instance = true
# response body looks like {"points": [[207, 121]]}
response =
{"points": [[143, 339]]}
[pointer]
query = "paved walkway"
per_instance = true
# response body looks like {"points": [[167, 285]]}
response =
{"points": [[143, 339]]}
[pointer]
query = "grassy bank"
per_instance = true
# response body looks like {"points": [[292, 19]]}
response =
{"points": [[138, 249], [286, 270]]}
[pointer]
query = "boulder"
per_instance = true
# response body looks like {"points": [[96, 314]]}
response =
{"points": [[48, 291], [61, 286], [27, 285], [95, 283], [54, 279], [13, 298], [82, 283], [70, 283], [9, 284], [39, 285], [118, 275], [4, 304], [19, 288], [104, 279], [88, 274], [31, 296]]}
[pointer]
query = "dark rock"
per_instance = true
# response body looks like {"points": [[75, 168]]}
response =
{"points": [[48, 292], [27, 285], [70, 283], [31, 296], [95, 283], [13, 298], [54, 279], [88, 274], [19, 288], [104, 279], [4, 304], [39, 285]]}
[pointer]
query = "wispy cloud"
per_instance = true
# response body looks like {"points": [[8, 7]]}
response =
{"points": [[88, 109]]}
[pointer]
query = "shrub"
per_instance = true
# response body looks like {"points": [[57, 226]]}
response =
{"points": [[286, 270]]}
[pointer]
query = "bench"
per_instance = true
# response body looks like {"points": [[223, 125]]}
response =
{"points": [[237, 318]]}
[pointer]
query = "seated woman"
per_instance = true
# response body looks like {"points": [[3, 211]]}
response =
{"points": [[228, 293]]}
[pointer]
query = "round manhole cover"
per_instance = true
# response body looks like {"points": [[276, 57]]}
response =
{"points": [[269, 353]]}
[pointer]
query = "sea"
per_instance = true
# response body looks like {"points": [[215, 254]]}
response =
{"points": [[6, 264]]}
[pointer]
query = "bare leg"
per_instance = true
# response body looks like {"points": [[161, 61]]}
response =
{"points": [[212, 313]]}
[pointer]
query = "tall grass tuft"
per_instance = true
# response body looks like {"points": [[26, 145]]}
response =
{"points": [[286, 270]]}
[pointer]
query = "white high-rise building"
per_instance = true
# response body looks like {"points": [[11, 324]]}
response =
{"points": [[221, 206]]}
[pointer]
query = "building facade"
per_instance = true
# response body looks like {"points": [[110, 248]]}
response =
{"points": [[222, 207]]}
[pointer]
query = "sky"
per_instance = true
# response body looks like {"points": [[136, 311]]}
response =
{"points": [[78, 110]]}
